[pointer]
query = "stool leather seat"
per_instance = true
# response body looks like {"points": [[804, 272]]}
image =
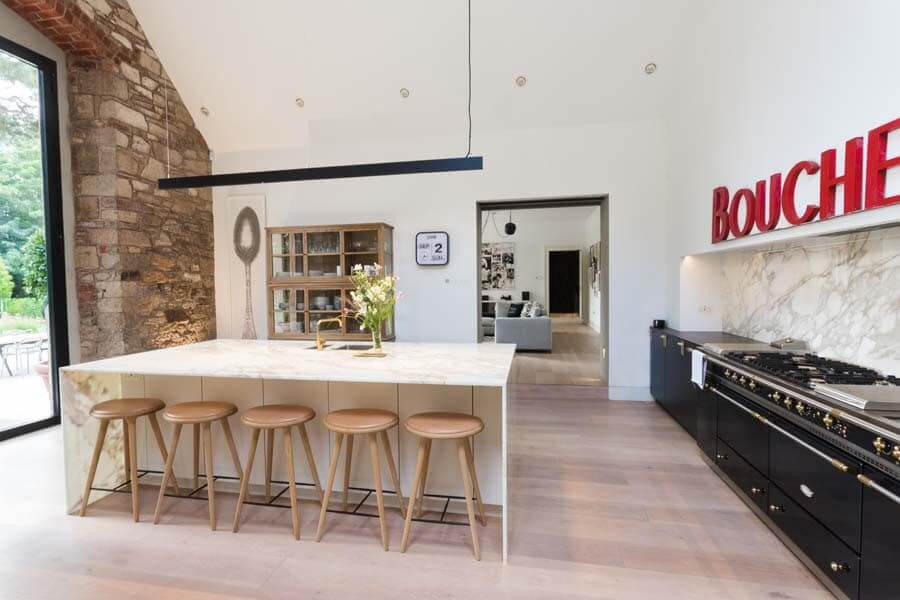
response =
{"points": [[276, 416], [124, 408], [198, 412], [444, 425], [360, 420]]}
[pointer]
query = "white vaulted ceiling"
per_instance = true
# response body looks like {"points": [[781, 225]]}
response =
{"points": [[248, 60]]}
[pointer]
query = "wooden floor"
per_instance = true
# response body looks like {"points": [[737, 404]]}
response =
{"points": [[609, 500], [575, 359]]}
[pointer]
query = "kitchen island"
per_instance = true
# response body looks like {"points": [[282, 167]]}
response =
{"points": [[412, 378]]}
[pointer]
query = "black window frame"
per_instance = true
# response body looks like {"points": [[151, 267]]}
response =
{"points": [[53, 227]]}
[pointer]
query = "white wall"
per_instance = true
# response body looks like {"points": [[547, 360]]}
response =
{"points": [[616, 159], [538, 230], [765, 84], [14, 28]]}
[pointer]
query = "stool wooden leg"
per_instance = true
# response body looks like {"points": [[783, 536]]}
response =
{"points": [[168, 471], [348, 458], [470, 508], [389, 457], [304, 437], [232, 449], [160, 442], [92, 471], [127, 448], [196, 456], [295, 506], [245, 480], [332, 470], [379, 495], [210, 477], [470, 457], [132, 458], [424, 478], [270, 448], [418, 481]]}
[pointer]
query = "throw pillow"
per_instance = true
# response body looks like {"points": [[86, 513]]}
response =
{"points": [[537, 310], [515, 309], [501, 309], [527, 309]]}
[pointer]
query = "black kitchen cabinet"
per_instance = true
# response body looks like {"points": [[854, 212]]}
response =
{"points": [[834, 558], [880, 576], [831, 495], [658, 343], [680, 392], [740, 430], [742, 473], [707, 415]]}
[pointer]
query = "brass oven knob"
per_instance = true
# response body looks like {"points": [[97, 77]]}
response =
{"points": [[838, 567], [801, 408], [752, 385], [787, 402], [828, 420], [880, 445], [727, 373], [734, 376], [895, 453], [743, 380], [776, 396]]}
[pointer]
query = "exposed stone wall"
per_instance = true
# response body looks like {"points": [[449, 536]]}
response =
{"points": [[144, 256]]}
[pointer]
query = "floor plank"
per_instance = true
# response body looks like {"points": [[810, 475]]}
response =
{"points": [[574, 360], [608, 500]]}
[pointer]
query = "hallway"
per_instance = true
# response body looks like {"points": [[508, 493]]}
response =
{"points": [[575, 360]]}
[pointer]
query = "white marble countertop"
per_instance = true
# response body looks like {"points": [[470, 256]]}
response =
{"points": [[420, 363]]}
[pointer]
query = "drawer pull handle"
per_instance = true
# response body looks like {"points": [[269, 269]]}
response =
{"points": [[774, 508], [721, 456], [839, 567], [867, 481], [806, 491], [757, 491]]}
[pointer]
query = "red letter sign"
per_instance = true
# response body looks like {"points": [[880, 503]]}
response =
{"points": [[749, 202], [852, 179], [787, 194], [720, 214], [770, 223], [878, 164]]}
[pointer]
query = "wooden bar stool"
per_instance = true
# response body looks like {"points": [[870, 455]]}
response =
{"points": [[127, 409], [203, 414], [350, 422], [270, 418], [446, 426]]}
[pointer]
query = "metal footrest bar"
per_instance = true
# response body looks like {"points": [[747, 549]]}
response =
{"points": [[121, 489]]}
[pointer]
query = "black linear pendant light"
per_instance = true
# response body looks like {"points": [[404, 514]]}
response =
{"points": [[438, 165]]}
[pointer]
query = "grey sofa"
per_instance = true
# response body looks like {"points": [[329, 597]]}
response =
{"points": [[528, 333]]}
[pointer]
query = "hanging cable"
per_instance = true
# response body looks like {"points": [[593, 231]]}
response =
{"points": [[469, 61]]}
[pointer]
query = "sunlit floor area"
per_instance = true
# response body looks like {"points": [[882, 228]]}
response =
{"points": [[575, 359], [23, 399], [608, 500]]}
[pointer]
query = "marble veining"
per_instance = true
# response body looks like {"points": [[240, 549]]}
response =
{"points": [[839, 293], [439, 364]]}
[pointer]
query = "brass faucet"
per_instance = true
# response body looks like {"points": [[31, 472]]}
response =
{"points": [[320, 341]]}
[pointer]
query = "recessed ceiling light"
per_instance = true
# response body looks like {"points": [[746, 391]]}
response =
{"points": [[521, 80], [205, 111], [650, 68], [299, 101], [404, 92]]}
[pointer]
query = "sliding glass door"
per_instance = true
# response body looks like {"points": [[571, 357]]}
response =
{"points": [[33, 340]]}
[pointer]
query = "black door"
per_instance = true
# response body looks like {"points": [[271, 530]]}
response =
{"points": [[564, 281]]}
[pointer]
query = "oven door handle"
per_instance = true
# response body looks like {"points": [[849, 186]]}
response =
{"points": [[840, 466], [868, 482]]}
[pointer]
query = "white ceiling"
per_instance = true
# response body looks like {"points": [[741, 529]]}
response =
{"points": [[248, 61]]}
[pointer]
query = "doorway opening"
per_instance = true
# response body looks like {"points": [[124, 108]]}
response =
{"points": [[33, 337], [543, 287]]}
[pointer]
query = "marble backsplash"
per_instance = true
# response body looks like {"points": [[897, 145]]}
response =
{"points": [[839, 293]]}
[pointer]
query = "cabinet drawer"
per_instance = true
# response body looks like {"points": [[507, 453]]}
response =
{"points": [[742, 473], [832, 496], [738, 428], [831, 555]]}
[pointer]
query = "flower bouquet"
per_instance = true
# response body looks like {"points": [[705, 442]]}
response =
{"points": [[372, 303]]}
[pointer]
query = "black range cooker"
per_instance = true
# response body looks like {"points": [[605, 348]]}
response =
{"points": [[814, 444]]}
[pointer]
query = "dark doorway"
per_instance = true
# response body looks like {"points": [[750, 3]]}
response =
{"points": [[564, 282], [33, 340]]}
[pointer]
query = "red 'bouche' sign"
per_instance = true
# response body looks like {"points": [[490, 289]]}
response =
{"points": [[765, 205]]}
